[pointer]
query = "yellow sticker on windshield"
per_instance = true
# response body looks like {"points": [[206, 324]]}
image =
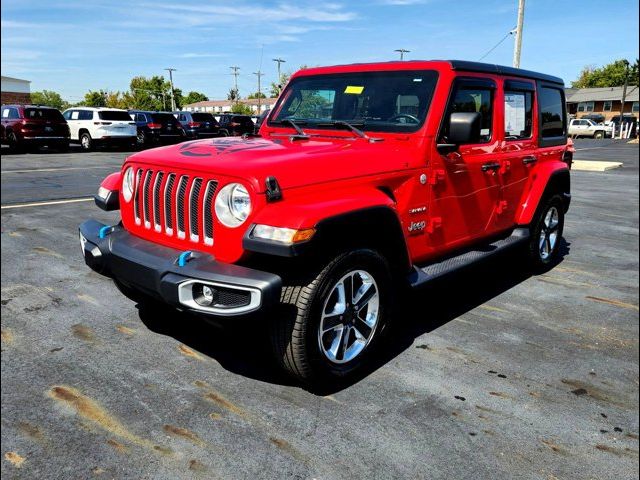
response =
{"points": [[354, 90]]}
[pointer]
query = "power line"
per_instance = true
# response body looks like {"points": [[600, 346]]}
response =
{"points": [[498, 44], [401, 51]]}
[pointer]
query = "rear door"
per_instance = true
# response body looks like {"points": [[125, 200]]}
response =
{"points": [[73, 120], [518, 137], [464, 202]]}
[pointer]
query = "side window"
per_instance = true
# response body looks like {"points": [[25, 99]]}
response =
{"points": [[518, 115], [468, 98], [140, 117], [183, 117], [552, 119], [13, 113], [67, 115], [85, 115]]}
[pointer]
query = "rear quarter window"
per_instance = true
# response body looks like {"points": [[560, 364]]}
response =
{"points": [[552, 118]]}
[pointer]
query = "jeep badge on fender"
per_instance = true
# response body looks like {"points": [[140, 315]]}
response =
{"points": [[364, 179]]}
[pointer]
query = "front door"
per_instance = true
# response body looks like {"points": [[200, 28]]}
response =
{"points": [[467, 183]]}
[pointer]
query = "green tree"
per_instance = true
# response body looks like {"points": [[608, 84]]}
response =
{"points": [[97, 98], [276, 88], [257, 95], [241, 109], [152, 93], [611, 75], [118, 100], [194, 97], [233, 95], [49, 99]]}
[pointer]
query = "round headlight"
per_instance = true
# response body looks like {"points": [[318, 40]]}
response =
{"points": [[127, 184], [233, 205]]}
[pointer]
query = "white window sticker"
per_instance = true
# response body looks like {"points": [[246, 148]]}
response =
{"points": [[5, 113], [74, 115], [514, 113]]}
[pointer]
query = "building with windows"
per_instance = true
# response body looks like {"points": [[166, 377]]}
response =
{"points": [[222, 106], [15, 90], [601, 102]]}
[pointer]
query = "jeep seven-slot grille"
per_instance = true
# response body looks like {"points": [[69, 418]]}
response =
{"points": [[171, 203]]}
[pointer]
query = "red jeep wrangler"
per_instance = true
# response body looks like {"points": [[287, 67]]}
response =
{"points": [[363, 178]]}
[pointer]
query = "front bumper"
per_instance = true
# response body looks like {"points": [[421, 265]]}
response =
{"points": [[173, 276]]}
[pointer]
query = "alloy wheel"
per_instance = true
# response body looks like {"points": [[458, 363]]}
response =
{"points": [[549, 233], [349, 317]]}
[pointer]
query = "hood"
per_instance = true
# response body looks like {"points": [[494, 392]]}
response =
{"points": [[294, 163]]}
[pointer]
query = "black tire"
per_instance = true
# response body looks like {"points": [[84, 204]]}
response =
{"points": [[141, 139], [223, 133], [599, 134], [295, 330], [86, 142], [544, 254], [14, 144]]}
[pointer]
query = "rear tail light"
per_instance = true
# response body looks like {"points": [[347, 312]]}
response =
{"points": [[102, 123], [154, 125], [193, 124]]}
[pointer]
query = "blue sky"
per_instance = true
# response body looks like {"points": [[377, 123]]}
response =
{"points": [[72, 46]]}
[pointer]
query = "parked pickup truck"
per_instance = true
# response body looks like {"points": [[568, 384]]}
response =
{"points": [[588, 128], [364, 179]]}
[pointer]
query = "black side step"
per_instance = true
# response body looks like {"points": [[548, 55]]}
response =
{"points": [[423, 274]]}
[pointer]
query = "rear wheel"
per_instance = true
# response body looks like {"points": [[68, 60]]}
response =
{"points": [[546, 233], [14, 144], [86, 142], [330, 325], [598, 134]]}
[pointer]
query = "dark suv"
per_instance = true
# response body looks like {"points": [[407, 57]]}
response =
{"points": [[25, 126], [157, 128], [236, 125], [199, 124]]}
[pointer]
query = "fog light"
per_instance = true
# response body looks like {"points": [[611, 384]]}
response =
{"points": [[205, 295]]}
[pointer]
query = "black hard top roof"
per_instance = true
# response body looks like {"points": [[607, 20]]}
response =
{"points": [[467, 66]]}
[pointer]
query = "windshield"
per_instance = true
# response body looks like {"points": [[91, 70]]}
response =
{"points": [[374, 101], [43, 114], [114, 115]]}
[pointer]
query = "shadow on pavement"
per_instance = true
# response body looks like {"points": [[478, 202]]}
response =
{"points": [[244, 348]]}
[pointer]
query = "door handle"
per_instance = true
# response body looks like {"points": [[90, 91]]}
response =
{"points": [[529, 160], [490, 166]]}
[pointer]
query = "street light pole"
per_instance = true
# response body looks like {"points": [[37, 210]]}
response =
{"points": [[518, 46], [279, 61], [624, 93], [173, 97], [402, 51]]}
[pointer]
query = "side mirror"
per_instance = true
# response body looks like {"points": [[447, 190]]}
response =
{"points": [[464, 127]]}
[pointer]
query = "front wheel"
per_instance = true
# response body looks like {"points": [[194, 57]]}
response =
{"points": [[599, 135], [330, 325], [546, 233]]}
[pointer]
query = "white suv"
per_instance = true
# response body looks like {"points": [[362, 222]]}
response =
{"points": [[92, 126]]}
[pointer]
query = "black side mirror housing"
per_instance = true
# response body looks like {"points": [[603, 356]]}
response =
{"points": [[464, 127]]}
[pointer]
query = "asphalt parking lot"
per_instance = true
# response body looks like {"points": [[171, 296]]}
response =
{"points": [[491, 373]]}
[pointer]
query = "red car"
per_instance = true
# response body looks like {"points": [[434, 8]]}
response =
{"points": [[365, 179], [32, 126]]}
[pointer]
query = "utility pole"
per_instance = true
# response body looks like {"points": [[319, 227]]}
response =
{"points": [[235, 75], [624, 94], [518, 46], [402, 51], [279, 61], [259, 74], [173, 97]]}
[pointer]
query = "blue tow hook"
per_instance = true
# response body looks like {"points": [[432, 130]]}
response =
{"points": [[184, 258], [104, 231]]}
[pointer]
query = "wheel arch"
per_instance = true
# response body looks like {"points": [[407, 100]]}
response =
{"points": [[548, 181]]}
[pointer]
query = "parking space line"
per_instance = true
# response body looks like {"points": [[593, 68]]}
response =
{"points": [[43, 204], [56, 169]]}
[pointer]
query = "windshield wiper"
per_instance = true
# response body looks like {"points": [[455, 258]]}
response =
{"points": [[301, 135], [352, 127]]}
